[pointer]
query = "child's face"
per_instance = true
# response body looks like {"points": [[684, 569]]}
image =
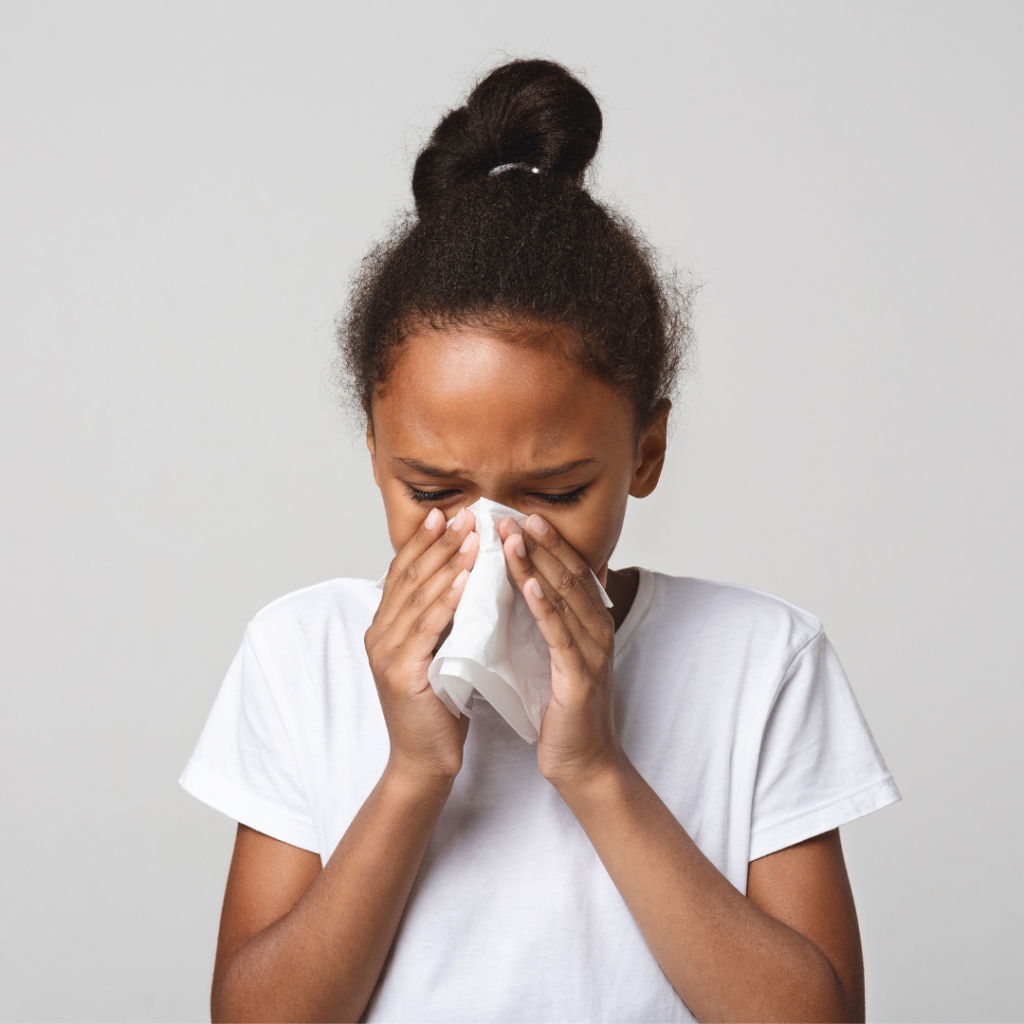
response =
{"points": [[466, 414]]}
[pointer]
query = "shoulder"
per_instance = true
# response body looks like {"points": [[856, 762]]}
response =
{"points": [[334, 613], [729, 604], [723, 613], [320, 601]]}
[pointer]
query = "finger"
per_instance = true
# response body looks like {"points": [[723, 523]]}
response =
{"points": [[507, 527], [429, 530], [406, 661], [426, 629], [522, 571], [433, 587], [565, 652], [561, 563], [430, 547], [565, 570]]}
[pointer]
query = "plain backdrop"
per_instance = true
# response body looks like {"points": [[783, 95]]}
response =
{"points": [[185, 189]]}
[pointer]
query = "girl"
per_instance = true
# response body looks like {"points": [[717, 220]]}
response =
{"points": [[670, 849]]}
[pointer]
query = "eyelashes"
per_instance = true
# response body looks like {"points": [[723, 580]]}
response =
{"points": [[548, 499], [426, 496], [562, 499]]}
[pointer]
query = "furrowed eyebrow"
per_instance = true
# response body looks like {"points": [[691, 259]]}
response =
{"points": [[543, 474], [540, 474], [422, 467]]}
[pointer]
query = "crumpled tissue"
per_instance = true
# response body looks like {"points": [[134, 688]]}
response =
{"points": [[495, 649]]}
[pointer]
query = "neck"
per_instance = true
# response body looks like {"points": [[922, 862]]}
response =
{"points": [[622, 585]]}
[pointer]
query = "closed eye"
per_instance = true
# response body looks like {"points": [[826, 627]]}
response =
{"points": [[428, 496], [561, 499], [425, 497]]}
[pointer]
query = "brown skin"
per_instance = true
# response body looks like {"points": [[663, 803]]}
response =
{"points": [[464, 415]]}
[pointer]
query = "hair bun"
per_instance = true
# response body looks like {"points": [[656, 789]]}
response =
{"points": [[531, 112]]}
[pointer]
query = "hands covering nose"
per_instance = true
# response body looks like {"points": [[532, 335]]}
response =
{"points": [[577, 738], [421, 592]]}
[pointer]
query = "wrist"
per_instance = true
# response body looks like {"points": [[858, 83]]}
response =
{"points": [[592, 781], [418, 781]]}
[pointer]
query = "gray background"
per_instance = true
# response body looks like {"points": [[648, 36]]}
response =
{"points": [[184, 189]]}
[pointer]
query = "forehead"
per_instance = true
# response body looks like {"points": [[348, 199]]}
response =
{"points": [[472, 394]]}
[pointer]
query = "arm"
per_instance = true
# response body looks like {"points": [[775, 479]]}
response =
{"points": [[790, 950], [298, 943]]}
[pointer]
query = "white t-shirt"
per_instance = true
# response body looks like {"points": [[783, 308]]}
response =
{"points": [[730, 703]]}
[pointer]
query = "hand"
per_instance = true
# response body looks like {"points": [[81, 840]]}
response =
{"points": [[577, 736], [421, 592]]}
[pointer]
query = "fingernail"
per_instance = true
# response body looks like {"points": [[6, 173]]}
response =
{"points": [[534, 587], [536, 525], [459, 520], [467, 543], [520, 547], [459, 582], [432, 518]]}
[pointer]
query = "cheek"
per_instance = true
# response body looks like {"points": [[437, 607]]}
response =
{"points": [[403, 517], [592, 535]]}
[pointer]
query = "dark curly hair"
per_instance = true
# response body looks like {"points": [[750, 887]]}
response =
{"points": [[505, 236]]}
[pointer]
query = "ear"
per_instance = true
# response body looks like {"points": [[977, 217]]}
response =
{"points": [[650, 456], [371, 442]]}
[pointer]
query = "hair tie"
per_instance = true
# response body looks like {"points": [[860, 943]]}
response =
{"points": [[509, 167]]}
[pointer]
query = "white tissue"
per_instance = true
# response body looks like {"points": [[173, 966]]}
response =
{"points": [[495, 649]]}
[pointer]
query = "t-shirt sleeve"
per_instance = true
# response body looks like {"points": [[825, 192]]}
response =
{"points": [[819, 767], [244, 764]]}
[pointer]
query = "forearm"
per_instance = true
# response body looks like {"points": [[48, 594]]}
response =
{"points": [[322, 960], [726, 958]]}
